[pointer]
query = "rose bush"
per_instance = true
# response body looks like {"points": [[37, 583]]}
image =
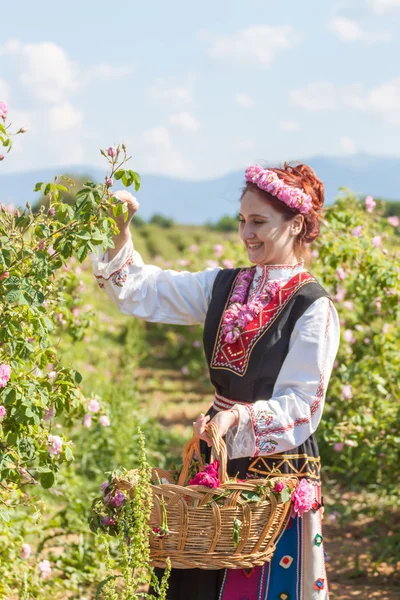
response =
{"points": [[39, 297]]}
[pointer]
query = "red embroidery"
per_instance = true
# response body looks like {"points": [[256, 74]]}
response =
{"points": [[235, 357], [314, 407], [120, 275]]}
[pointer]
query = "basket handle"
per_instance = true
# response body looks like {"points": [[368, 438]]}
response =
{"points": [[218, 451]]}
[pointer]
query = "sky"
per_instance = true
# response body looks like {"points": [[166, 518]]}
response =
{"points": [[199, 89]]}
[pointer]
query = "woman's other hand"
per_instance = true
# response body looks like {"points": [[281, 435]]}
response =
{"points": [[225, 419]]}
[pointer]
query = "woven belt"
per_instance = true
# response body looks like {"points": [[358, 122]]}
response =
{"points": [[222, 403]]}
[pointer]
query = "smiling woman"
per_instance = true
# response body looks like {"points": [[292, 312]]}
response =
{"points": [[271, 334]]}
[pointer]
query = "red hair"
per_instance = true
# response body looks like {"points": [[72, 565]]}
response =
{"points": [[303, 177]]}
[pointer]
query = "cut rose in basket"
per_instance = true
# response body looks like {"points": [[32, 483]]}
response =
{"points": [[208, 477]]}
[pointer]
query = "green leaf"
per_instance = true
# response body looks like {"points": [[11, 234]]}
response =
{"points": [[285, 494], [38, 186], [119, 174], [68, 453], [236, 531], [77, 377], [47, 480], [13, 296], [136, 180], [250, 496]]}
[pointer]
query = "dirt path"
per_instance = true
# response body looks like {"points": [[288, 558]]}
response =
{"points": [[176, 401]]}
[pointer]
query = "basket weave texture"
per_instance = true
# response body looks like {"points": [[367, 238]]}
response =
{"points": [[201, 520]]}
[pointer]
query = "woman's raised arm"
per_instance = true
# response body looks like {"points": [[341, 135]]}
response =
{"points": [[146, 291]]}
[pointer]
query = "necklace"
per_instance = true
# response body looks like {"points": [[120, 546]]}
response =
{"points": [[239, 313]]}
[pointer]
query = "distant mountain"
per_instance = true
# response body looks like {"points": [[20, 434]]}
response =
{"points": [[189, 201]]}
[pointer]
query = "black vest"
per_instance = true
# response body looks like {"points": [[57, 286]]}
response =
{"points": [[270, 349], [256, 378]]}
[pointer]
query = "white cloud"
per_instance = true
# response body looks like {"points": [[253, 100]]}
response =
{"points": [[382, 101], [64, 117], [106, 71], [163, 157], [256, 45], [158, 136], [315, 96], [289, 126], [244, 100], [171, 90], [348, 145], [384, 6], [185, 121], [349, 30], [44, 68]]}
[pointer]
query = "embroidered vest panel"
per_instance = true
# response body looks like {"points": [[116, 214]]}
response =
{"points": [[247, 369]]}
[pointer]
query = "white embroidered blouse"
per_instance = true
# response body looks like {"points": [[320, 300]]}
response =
{"points": [[181, 297]]}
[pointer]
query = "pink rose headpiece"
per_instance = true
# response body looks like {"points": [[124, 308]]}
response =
{"points": [[269, 182]]}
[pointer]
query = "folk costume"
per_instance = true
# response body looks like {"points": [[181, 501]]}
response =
{"points": [[274, 370]]}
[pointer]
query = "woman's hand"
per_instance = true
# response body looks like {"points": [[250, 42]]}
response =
{"points": [[225, 419], [133, 206]]}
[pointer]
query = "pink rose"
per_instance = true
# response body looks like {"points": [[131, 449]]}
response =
{"points": [[303, 497], [394, 221], [357, 231], [45, 569], [278, 487], [25, 551], [370, 204], [208, 477], [117, 500], [94, 406], [347, 392], [22, 130], [87, 421], [340, 294], [104, 486], [218, 250], [228, 264], [112, 152], [54, 445], [5, 374], [109, 182], [349, 337], [3, 110], [3, 411], [206, 480], [377, 241], [104, 421], [340, 273], [212, 468], [338, 447], [1, 157], [48, 414]]}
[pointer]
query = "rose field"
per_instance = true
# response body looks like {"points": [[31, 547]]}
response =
{"points": [[79, 382]]}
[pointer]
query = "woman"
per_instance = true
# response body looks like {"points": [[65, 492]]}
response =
{"points": [[271, 334]]}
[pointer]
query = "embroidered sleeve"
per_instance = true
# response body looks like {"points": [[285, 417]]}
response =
{"points": [[294, 411], [150, 293]]}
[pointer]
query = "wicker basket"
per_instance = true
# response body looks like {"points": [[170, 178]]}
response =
{"points": [[201, 520]]}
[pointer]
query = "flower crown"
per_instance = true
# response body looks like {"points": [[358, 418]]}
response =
{"points": [[269, 182]]}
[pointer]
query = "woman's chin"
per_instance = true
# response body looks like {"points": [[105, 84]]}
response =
{"points": [[255, 256]]}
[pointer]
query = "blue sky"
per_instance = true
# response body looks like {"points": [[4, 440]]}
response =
{"points": [[196, 90]]}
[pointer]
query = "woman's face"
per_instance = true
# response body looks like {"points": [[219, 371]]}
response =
{"points": [[268, 238]]}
